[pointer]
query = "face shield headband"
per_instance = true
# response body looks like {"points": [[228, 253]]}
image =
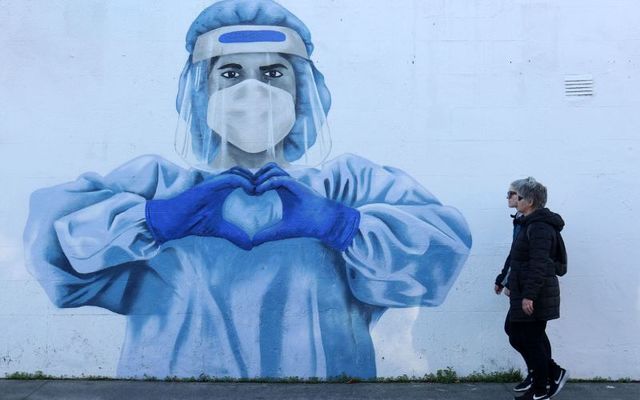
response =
{"points": [[307, 143]]}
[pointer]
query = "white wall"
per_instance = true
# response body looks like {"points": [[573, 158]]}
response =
{"points": [[466, 96]]}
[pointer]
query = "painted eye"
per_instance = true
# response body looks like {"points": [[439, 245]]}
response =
{"points": [[273, 73], [230, 74]]}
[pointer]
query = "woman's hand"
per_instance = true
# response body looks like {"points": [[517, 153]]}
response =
{"points": [[527, 306]]}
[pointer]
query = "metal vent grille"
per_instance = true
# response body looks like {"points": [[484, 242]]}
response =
{"points": [[578, 86]]}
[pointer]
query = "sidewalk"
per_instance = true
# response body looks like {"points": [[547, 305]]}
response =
{"points": [[142, 390]]}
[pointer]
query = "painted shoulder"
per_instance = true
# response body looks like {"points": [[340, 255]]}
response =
{"points": [[145, 165], [363, 168], [148, 175], [349, 163]]}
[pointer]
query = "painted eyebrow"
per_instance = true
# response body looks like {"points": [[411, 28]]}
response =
{"points": [[232, 65], [272, 66]]}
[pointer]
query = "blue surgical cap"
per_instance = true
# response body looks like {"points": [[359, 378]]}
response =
{"points": [[257, 12]]}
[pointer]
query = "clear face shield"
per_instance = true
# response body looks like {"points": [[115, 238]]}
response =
{"points": [[248, 96]]}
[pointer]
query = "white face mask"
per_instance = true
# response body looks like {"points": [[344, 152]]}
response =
{"points": [[251, 115]]}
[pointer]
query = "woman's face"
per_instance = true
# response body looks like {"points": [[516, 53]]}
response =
{"points": [[269, 68], [512, 198], [523, 205]]}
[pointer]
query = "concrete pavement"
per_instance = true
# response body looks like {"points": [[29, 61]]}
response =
{"points": [[143, 390]]}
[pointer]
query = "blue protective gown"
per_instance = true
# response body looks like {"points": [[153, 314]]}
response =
{"points": [[201, 305]]}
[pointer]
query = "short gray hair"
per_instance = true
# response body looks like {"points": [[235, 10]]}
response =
{"points": [[531, 190], [517, 184]]}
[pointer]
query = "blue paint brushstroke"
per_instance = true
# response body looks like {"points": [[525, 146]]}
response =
{"points": [[252, 36]]}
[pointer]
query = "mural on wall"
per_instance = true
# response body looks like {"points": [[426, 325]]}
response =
{"points": [[262, 259]]}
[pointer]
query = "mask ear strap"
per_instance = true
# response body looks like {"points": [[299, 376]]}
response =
{"points": [[270, 126], [224, 139]]}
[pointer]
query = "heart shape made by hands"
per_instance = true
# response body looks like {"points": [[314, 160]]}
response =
{"points": [[252, 213]]}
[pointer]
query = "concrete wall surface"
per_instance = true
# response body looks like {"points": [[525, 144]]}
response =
{"points": [[463, 96]]}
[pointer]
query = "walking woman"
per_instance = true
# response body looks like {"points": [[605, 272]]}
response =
{"points": [[500, 285], [535, 291]]}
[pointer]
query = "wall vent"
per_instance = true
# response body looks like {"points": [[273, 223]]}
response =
{"points": [[578, 86]]}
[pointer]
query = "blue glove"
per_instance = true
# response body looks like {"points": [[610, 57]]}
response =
{"points": [[245, 173], [305, 213], [198, 211], [268, 171]]}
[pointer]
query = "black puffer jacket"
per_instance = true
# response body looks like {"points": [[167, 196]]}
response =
{"points": [[532, 273], [501, 279]]}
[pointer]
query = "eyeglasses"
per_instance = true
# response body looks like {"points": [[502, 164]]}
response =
{"points": [[510, 193]]}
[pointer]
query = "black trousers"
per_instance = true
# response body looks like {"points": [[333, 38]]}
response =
{"points": [[531, 341]]}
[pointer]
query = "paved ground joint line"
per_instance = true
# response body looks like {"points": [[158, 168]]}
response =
{"points": [[35, 390]]}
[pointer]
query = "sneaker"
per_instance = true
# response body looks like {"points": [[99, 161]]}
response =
{"points": [[558, 382], [531, 395], [524, 385]]}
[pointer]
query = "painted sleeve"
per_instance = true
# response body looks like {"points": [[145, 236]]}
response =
{"points": [[86, 241], [409, 248]]}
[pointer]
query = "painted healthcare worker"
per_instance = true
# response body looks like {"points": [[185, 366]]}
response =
{"points": [[250, 263]]}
